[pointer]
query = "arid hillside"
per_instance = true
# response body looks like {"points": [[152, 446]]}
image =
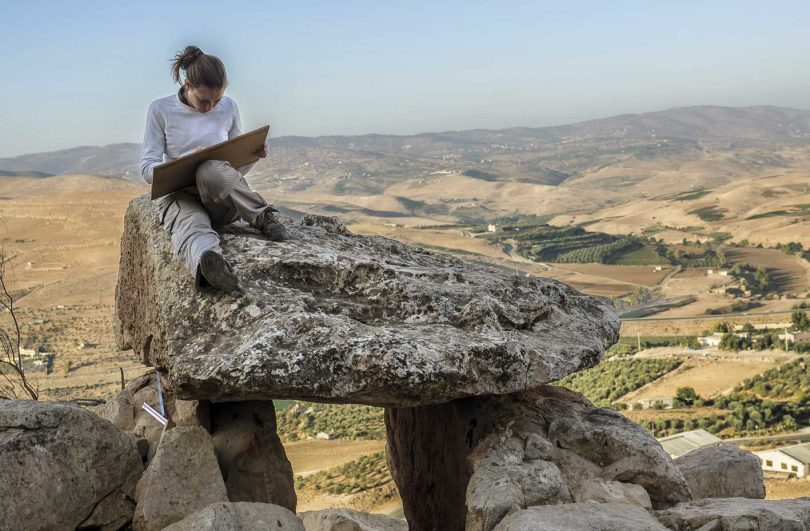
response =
{"points": [[768, 210], [60, 241], [483, 174]]}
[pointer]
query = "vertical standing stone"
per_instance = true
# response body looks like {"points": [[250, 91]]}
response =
{"points": [[426, 447], [250, 454]]}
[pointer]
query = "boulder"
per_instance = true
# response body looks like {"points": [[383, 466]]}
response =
{"points": [[62, 467], [182, 478], [606, 491], [723, 471], [250, 454], [598, 442], [125, 410], [241, 516], [466, 463], [732, 514], [336, 317], [581, 516], [497, 484], [349, 520]]}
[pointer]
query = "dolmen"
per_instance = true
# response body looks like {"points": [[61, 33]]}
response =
{"points": [[462, 356]]}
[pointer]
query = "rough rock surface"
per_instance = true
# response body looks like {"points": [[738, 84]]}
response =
{"points": [[732, 514], [723, 471], [125, 410], [250, 454], [606, 491], [581, 516], [241, 516], [349, 520], [332, 316], [62, 467], [182, 478], [471, 460]]}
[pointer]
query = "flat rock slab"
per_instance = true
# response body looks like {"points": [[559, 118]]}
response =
{"points": [[731, 514], [580, 517], [241, 516], [336, 317], [349, 520]]}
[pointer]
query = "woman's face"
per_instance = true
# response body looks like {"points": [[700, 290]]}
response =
{"points": [[203, 98]]}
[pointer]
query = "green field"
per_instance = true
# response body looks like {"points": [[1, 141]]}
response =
{"points": [[802, 209], [611, 380], [709, 213], [367, 473], [645, 255], [788, 382], [301, 420]]}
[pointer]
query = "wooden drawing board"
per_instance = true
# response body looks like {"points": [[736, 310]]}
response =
{"points": [[181, 172]]}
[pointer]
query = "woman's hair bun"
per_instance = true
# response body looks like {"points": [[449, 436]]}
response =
{"points": [[200, 68]]}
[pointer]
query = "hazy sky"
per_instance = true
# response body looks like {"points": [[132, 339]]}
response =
{"points": [[83, 73]]}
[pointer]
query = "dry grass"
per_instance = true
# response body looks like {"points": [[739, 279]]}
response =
{"points": [[708, 377], [64, 234], [310, 456], [786, 489], [746, 197]]}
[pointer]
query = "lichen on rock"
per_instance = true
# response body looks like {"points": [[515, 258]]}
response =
{"points": [[332, 316]]}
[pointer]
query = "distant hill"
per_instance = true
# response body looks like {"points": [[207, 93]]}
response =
{"points": [[24, 173], [113, 160], [591, 164]]}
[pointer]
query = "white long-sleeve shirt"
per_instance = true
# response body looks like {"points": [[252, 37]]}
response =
{"points": [[174, 129]]}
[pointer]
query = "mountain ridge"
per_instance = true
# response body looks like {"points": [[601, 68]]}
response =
{"points": [[93, 159]]}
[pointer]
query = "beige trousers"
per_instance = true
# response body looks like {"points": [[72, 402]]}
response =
{"points": [[221, 196]]}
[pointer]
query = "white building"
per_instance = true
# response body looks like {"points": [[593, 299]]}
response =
{"points": [[712, 340], [492, 228], [793, 459], [682, 443]]}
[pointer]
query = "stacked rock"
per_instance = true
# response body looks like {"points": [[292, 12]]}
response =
{"points": [[459, 354]]}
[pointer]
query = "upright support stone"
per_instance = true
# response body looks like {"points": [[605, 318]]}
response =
{"points": [[425, 448], [250, 454], [465, 464]]}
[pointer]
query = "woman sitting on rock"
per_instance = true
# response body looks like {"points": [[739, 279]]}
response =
{"points": [[197, 116]]}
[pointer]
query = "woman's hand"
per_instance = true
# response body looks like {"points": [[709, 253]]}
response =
{"points": [[262, 153]]}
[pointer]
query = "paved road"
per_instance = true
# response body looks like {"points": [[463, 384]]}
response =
{"points": [[722, 316], [798, 436]]}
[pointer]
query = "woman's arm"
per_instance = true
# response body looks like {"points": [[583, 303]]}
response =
{"points": [[154, 143], [236, 130]]}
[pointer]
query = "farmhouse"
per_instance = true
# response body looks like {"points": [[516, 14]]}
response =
{"points": [[791, 460], [712, 340], [492, 228], [682, 443]]}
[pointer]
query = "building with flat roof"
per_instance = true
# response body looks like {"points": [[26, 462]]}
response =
{"points": [[683, 443]]}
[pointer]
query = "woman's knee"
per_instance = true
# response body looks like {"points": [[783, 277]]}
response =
{"points": [[211, 173]]}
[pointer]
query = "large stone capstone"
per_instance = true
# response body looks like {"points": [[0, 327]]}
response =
{"points": [[336, 317]]}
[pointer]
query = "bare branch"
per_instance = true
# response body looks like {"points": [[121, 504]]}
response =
{"points": [[11, 365]]}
